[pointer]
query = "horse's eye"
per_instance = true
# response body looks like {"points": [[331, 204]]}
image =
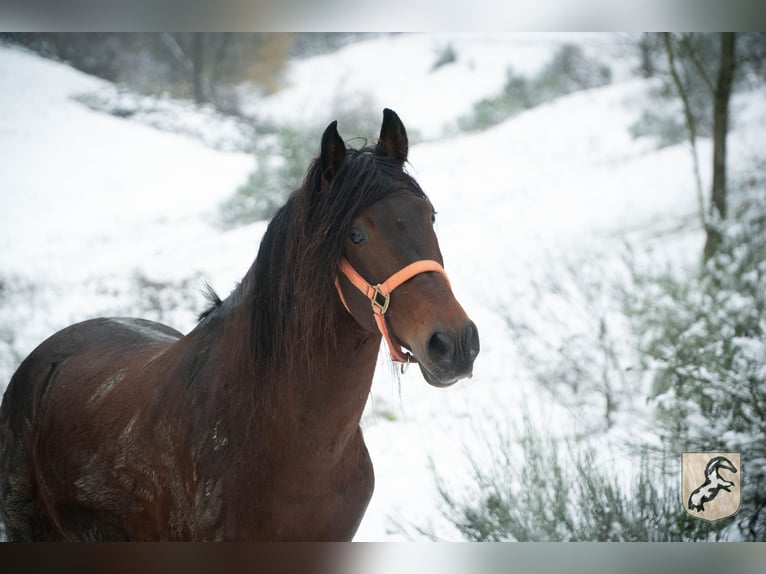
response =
{"points": [[357, 236], [433, 216]]}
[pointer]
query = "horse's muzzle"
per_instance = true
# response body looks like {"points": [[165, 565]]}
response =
{"points": [[450, 355]]}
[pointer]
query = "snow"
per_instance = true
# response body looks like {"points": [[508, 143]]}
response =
{"points": [[99, 212], [397, 71], [88, 195]]}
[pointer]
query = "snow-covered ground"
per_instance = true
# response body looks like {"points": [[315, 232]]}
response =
{"points": [[101, 215], [399, 72]]}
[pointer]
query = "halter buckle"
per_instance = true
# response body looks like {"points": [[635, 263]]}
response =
{"points": [[379, 300]]}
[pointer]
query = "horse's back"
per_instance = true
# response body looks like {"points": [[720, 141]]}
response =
{"points": [[76, 376], [93, 346]]}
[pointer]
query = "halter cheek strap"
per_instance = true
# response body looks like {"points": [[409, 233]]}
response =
{"points": [[380, 296]]}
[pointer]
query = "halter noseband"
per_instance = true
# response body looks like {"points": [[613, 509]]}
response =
{"points": [[380, 296]]}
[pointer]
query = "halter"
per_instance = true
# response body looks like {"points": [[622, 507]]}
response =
{"points": [[380, 296]]}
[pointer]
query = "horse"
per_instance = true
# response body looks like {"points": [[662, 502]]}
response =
{"points": [[248, 427]]}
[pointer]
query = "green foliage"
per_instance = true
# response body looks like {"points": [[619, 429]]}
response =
{"points": [[517, 95], [569, 70], [703, 338], [283, 157], [445, 57], [280, 169], [697, 59], [664, 126], [548, 490], [700, 338]]}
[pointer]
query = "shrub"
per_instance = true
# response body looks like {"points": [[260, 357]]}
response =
{"points": [[541, 489], [663, 126], [517, 95], [280, 168], [284, 154], [568, 71], [569, 334], [703, 339], [445, 57], [699, 338]]}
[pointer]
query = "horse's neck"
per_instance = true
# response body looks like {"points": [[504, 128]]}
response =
{"points": [[327, 391], [339, 389], [322, 395]]}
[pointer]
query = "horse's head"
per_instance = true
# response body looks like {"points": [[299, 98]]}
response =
{"points": [[390, 276]]}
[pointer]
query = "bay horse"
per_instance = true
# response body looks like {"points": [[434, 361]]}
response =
{"points": [[247, 428]]}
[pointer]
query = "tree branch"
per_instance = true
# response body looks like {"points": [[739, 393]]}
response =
{"points": [[171, 43], [690, 122], [689, 53]]}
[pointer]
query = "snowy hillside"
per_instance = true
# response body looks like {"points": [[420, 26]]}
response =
{"points": [[106, 216], [402, 72]]}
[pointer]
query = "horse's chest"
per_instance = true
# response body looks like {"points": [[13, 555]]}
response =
{"points": [[305, 502]]}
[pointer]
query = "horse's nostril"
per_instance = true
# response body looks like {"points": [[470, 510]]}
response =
{"points": [[441, 347], [471, 340]]}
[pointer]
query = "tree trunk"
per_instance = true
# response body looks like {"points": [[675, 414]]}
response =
{"points": [[720, 130], [198, 52], [691, 123], [645, 46]]}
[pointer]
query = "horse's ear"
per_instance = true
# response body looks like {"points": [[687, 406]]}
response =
{"points": [[393, 137], [333, 153]]}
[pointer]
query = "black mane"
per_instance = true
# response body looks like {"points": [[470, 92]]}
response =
{"points": [[214, 302]]}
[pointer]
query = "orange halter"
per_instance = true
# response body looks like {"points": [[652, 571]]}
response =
{"points": [[380, 296]]}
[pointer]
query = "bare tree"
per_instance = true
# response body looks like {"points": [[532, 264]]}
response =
{"points": [[683, 90], [721, 96], [190, 51], [688, 67]]}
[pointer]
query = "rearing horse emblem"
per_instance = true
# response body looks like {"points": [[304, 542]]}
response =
{"points": [[711, 484]]}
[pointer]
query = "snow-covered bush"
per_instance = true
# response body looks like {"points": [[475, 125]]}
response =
{"points": [[280, 168], [446, 56], [536, 488], [569, 333], [658, 123], [224, 132], [703, 338], [283, 154], [517, 96], [569, 70], [698, 337]]}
